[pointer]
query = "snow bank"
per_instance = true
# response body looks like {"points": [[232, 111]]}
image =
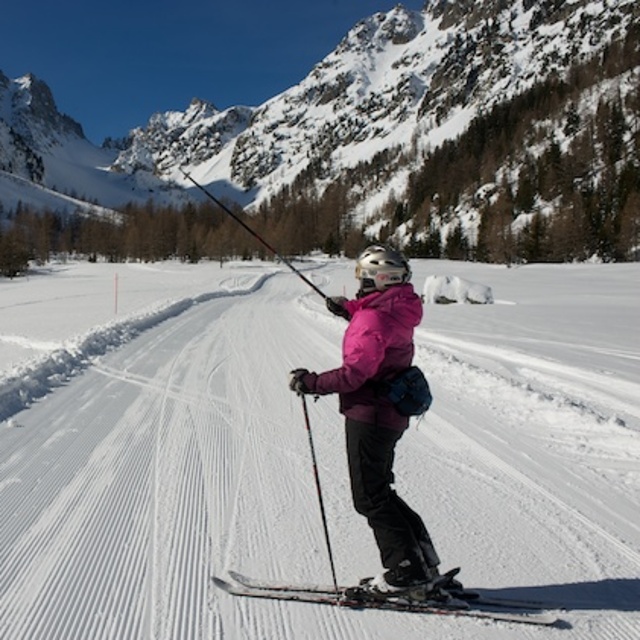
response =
{"points": [[25, 384], [450, 289]]}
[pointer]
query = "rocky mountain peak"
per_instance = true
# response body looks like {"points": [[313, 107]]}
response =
{"points": [[35, 112], [397, 27], [192, 137]]}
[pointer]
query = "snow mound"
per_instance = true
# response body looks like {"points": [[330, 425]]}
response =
{"points": [[32, 381], [450, 289]]}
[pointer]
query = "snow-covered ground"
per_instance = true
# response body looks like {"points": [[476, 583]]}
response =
{"points": [[149, 441]]}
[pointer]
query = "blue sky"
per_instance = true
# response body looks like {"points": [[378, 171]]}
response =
{"points": [[111, 65]]}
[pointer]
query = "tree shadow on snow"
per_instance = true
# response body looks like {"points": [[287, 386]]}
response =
{"points": [[622, 594]]}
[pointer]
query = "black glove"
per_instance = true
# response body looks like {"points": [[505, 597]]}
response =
{"points": [[295, 381], [336, 306]]}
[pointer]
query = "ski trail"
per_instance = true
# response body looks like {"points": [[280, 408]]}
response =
{"points": [[73, 534], [564, 440], [159, 496], [605, 397], [188, 513], [275, 499], [497, 462], [184, 453]]}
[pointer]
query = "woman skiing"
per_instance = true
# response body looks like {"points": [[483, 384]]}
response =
{"points": [[377, 344]]}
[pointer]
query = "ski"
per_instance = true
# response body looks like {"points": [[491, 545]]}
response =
{"points": [[469, 595], [389, 604]]}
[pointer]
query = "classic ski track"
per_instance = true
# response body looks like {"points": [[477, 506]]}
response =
{"points": [[64, 619], [496, 383], [522, 479], [69, 507], [255, 350], [167, 507]]}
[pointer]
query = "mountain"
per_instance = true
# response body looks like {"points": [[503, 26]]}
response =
{"points": [[47, 163], [397, 86]]}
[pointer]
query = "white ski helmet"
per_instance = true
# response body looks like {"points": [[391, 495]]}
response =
{"points": [[379, 267]]}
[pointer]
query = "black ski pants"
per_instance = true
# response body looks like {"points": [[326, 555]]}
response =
{"points": [[399, 531]]}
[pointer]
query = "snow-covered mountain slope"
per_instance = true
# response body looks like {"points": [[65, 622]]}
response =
{"points": [[17, 191], [411, 80], [192, 137], [47, 163], [402, 80]]}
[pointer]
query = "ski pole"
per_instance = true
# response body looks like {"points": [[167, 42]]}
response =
{"points": [[254, 234], [320, 500]]}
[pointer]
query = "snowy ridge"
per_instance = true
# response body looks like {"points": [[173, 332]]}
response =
{"points": [[193, 136], [544, 381]]}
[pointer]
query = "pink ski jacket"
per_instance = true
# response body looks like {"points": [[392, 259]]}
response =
{"points": [[377, 344]]}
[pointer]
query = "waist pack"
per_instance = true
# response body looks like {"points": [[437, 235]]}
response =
{"points": [[409, 391]]}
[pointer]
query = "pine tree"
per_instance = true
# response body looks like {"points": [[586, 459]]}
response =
{"points": [[14, 255], [533, 241], [456, 246]]}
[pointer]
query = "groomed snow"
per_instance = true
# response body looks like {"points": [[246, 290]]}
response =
{"points": [[149, 441]]}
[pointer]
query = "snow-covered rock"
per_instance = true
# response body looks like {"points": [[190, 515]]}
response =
{"points": [[452, 289]]}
